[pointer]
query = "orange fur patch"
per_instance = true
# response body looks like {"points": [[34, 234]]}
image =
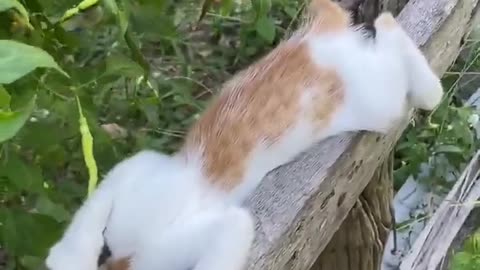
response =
{"points": [[327, 16], [260, 104], [120, 264]]}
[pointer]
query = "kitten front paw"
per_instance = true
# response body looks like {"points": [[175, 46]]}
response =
{"points": [[385, 21], [428, 93], [65, 257]]}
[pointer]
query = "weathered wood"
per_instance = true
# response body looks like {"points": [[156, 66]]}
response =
{"points": [[394, 6], [432, 244], [359, 242], [299, 206]]}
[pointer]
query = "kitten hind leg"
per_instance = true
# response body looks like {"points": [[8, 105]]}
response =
{"points": [[82, 241], [218, 239], [425, 88], [230, 247]]}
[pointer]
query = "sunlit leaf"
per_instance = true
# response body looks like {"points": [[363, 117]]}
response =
{"points": [[85, 4], [15, 4], [12, 122], [18, 59], [4, 99], [463, 261]]}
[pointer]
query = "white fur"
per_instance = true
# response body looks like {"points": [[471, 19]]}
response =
{"points": [[213, 239], [161, 210], [178, 216]]}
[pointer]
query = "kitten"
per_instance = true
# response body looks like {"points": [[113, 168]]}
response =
{"points": [[184, 211]]}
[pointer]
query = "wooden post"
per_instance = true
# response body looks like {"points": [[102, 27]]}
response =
{"points": [[300, 206], [359, 242]]}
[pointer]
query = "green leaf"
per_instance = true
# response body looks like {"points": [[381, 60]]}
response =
{"points": [[47, 207], [262, 7], [21, 176], [43, 138], [120, 13], [150, 108], [266, 28], [123, 20], [32, 262], [8, 4], [18, 59], [462, 260], [111, 5], [4, 99], [449, 149], [119, 64], [227, 7], [12, 122], [165, 26], [29, 233], [292, 12]]}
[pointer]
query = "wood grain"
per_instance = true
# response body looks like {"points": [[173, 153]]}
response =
{"points": [[359, 242], [431, 246]]}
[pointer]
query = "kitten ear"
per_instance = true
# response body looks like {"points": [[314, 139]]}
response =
{"points": [[327, 15]]}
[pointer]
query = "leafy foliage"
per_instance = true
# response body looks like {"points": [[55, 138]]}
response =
{"points": [[84, 84], [469, 257]]}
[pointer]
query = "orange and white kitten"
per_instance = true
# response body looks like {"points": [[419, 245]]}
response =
{"points": [[179, 212]]}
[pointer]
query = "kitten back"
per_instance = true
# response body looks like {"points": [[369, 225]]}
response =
{"points": [[257, 109]]}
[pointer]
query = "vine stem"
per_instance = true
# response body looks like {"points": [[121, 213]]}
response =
{"points": [[137, 54]]}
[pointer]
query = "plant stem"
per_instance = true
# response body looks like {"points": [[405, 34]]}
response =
{"points": [[137, 54]]}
